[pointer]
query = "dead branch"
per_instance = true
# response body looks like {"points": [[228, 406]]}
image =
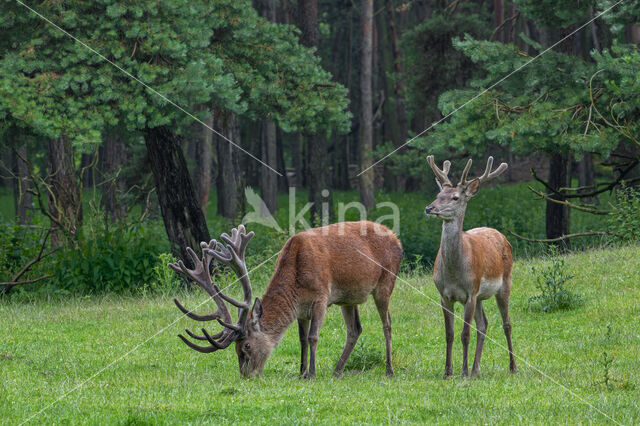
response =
{"points": [[15, 280], [569, 204], [608, 185], [562, 238], [505, 22]]}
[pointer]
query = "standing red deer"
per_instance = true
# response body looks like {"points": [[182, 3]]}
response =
{"points": [[471, 266], [316, 268]]}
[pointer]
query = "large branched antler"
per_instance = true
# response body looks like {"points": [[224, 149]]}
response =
{"points": [[232, 254], [442, 178], [486, 176]]}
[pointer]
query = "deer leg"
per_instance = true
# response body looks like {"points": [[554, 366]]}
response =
{"points": [[382, 303], [469, 310], [481, 326], [303, 331], [354, 329], [447, 310], [317, 317], [503, 306]]}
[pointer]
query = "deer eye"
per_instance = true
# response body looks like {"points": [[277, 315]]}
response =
{"points": [[455, 198], [247, 347]]}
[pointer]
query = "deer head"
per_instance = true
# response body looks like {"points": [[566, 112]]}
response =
{"points": [[253, 346], [451, 202]]}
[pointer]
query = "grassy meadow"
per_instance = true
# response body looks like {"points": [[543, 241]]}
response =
{"points": [[116, 360]]}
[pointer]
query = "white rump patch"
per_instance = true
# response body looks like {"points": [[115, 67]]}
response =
{"points": [[489, 287]]}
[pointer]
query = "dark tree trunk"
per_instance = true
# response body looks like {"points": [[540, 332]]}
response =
{"points": [[557, 215], [22, 199], [398, 90], [229, 182], [112, 157], [587, 176], [268, 140], [183, 218], [317, 156], [319, 180], [65, 204], [202, 172], [298, 159], [283, 181], [268, 178], [308, 16], [498, 18], [634, 33], [366, 109], [86, 169]]}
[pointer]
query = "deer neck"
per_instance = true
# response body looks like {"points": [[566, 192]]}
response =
{"points": [[451, 243], [279, 312]]}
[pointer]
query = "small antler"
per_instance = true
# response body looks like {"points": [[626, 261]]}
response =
{"points": [[486, 176], [441, 175], [232, 254]]}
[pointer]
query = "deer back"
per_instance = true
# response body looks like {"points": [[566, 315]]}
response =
{"points": [[339, 263]]}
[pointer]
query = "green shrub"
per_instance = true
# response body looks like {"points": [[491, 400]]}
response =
{"points": [[551, 282], [624, 221], [166, 280], [115, 258]]}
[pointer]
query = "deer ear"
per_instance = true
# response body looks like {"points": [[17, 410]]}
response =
{"points": [[472, 188], [256, 313]]}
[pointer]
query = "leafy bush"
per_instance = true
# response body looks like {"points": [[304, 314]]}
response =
{"points": [[551, 282], [166, 280], [624, 221], [114, 258]]}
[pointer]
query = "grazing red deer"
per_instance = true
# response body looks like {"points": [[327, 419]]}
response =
{"points": [[471, 266], [316, 268]]}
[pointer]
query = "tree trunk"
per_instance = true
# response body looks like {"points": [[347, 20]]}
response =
{"points": [[398, 90], [634, 33], [112, 157], [65, 203], [557, 215], [317, 156], [22, 199], [86, 169], [202, 172], [283, 181], [586, 176], [268, 178], [298, 159], [183, 219], [498, 18], [229, 181], [366, 109], [319, 181]]}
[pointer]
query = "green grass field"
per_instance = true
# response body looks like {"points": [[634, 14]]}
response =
{"points": [[117, 360]]}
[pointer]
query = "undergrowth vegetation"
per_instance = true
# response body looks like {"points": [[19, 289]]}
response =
{"points": [[552, 281]]}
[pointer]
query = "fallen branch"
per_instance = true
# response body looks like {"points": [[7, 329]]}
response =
{"points": [[562, 238]]}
